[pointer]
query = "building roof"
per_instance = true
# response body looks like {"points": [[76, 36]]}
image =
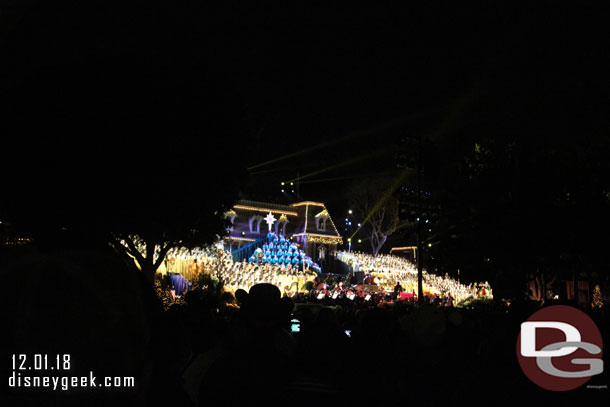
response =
{"points": [[301, 218], [265, 207], [309, 214]]}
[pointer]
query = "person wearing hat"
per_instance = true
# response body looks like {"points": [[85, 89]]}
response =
{"points": [[254, 364], [264, 306]]}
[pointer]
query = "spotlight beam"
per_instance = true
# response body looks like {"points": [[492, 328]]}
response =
{"points": [[301, 152], [346, 177], [285, 169], [397, 182], [354, 134], [459, 108], [352, 160]]}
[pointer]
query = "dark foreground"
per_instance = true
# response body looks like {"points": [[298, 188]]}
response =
{"points": [[209, 352]]}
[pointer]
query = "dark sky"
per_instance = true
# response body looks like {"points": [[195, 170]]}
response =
{"points": [[319, 73], [310, 76], [305, 75]]}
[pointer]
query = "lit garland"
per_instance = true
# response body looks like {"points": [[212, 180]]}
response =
{"points": [[334, 227], [325, 239], [318, 235]]}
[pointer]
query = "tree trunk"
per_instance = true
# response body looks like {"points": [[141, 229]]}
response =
{"points": [[379, 245], [142, 262], [149, 271]]}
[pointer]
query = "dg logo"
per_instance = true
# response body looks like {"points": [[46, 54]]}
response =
{"points": [[559, 348]]}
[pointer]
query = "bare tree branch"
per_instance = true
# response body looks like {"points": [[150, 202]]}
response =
{"points": [[122, 251], [161, 257], [133, 250]]}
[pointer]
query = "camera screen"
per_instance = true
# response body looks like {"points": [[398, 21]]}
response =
{"points": [[295, 325]]}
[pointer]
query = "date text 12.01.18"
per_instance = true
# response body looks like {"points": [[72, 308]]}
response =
{"points": [[41, 362]]}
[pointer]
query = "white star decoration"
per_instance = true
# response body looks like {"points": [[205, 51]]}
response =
{"points": [[270, 219]]}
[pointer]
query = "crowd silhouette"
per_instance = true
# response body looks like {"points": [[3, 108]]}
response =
{"points": [[216, 348], [345, 352]]}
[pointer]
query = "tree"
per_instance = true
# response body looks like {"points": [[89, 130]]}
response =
{"points": [[538, 287], [374, 202], [522, 181]]}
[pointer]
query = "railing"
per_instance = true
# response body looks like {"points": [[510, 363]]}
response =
{"points": [[246, 251]]}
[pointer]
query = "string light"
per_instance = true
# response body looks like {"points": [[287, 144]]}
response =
{"points": [[307, 203], [319, 235], [325, 240], [260, 209], [333, 223], [306, 217], [240, 239]]}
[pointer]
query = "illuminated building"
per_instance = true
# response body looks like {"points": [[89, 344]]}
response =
{"points": [[308, 224]]}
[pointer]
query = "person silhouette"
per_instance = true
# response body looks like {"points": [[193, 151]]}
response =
{"points": [[397, 289], [255, 357]]}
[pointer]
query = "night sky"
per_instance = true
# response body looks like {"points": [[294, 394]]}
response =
{"points": [[322, 74], [293, 78], [153, 117]]}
